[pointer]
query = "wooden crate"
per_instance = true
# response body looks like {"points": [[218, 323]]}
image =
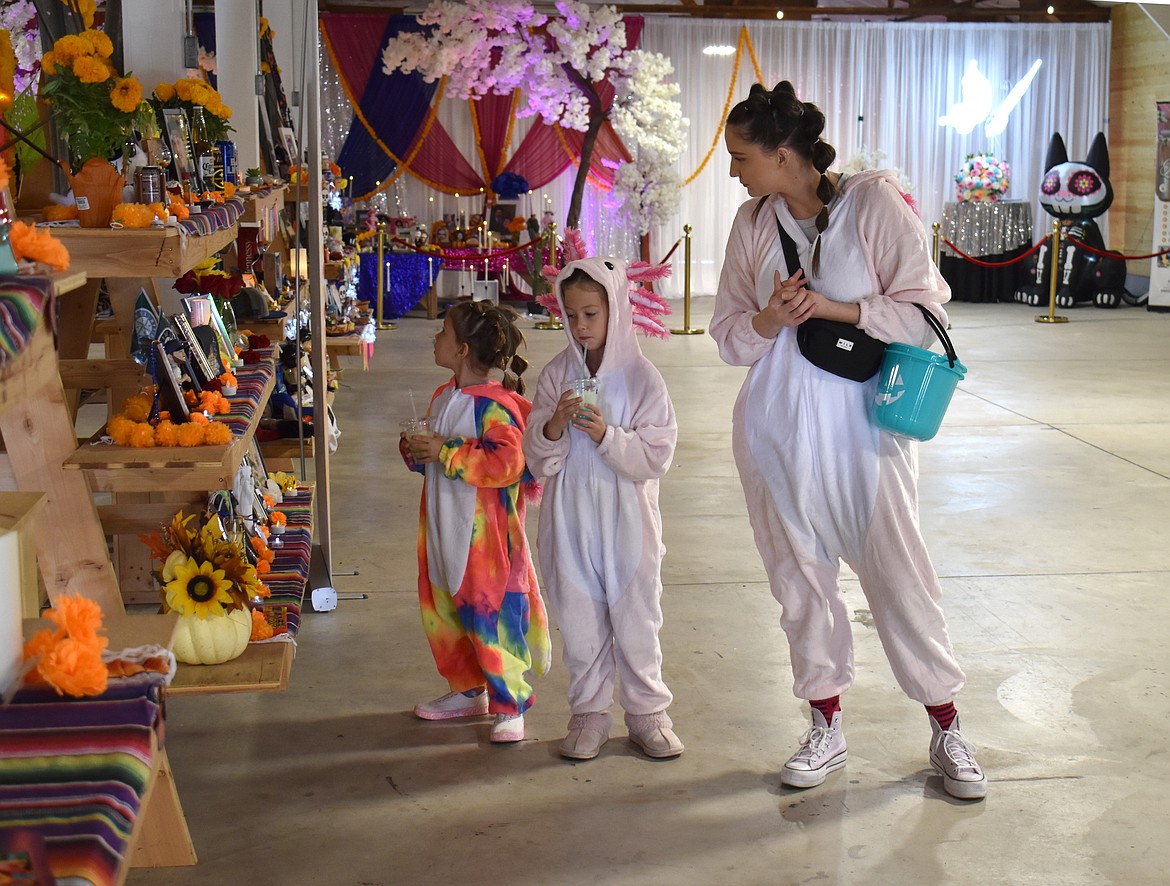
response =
{"points": [[150, 252]]}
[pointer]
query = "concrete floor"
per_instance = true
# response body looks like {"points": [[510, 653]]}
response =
{"points": [[1046, 504]]}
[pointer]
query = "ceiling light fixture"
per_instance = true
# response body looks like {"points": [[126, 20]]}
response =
{"points": [[718, 50], [1051, 10], [779, 13]]}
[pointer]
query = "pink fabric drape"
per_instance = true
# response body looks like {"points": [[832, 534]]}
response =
{"points": [[357, 45], [495, 114]]}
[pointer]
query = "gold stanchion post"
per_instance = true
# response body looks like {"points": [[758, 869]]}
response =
{"points": [[552, 322], [936, 227], [382, 324], [687, 329], [1051, 316]]}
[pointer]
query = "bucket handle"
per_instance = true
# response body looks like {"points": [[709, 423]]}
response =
{"points": [[933, 322]]}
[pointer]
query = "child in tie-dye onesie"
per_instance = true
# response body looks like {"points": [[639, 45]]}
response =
{"points": [[481, 607]]}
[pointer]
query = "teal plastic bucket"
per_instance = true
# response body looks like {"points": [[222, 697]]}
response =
{"points": [[915, 386]]}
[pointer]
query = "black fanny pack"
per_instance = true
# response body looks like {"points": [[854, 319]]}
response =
{"points": [[839, 348]]}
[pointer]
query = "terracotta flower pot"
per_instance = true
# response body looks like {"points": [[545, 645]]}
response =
{"points": [[97, 189]]}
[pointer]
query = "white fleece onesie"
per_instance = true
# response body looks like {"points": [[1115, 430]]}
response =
{"points": [[822, 482], [600, 531]]}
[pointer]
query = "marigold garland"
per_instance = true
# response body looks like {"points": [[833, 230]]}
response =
{"points": [[133, 215], [60, 212]]}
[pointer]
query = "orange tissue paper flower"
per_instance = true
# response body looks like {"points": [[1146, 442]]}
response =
{"points": [[179, 209], [75, 667], [166, 433], [78, 616], [142, 436], [190, 434], [216, 433], [70, 658], [261, 629], [57, 212], [37, 245], [198, 418], [138, 407], [133, 215]]}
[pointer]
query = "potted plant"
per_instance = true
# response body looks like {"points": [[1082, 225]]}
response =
{"points": [[253, 178], [95, 109]]}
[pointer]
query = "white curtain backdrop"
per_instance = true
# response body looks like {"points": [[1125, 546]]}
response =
{"points": [[882, 88]]}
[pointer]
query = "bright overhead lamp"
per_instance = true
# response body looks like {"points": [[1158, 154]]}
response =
{"points": [[779, 14], [718, 50]]}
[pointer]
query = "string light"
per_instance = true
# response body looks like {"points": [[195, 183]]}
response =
{"points": [[779, 14], [1051, 10]]}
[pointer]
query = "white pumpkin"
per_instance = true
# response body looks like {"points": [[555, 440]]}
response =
{"points": [[212, 640]]}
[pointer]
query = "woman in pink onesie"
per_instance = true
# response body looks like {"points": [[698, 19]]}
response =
{"points": [[600, 531], [822, 483]]}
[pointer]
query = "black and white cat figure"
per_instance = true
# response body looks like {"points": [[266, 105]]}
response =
{"points": [[1076, 192]]}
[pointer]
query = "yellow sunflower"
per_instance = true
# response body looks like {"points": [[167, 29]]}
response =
{"points": [[198, 588]]}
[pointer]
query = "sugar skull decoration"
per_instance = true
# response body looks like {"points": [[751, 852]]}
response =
{"points": [[1077, 192]]}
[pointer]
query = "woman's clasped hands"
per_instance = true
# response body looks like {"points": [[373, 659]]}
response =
{"points": [[792, 303]]}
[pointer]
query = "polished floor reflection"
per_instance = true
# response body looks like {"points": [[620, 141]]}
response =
{"points": [[1046, 503]]}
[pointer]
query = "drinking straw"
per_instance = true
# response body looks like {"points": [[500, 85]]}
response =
{"points": [[413, 405], [584, 368]]}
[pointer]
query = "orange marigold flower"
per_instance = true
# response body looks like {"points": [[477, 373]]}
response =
{"points": [[217, 434], [126, 94], [197, 418], [178, 209], [100, 43], [166, 433], [138, 407], [190, 434], [49, 63], [261, 629], [37, 245], [142, 436], [69, 48], [75, 667], [278, 518], [119, 428], [57, 212], [133, 215], [229, 189], [89, 69]]}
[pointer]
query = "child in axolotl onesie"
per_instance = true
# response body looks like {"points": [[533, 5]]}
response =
{"points": [[600, 529], [481, 607]]}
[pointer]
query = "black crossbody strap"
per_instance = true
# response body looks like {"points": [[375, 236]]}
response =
{"points": [[791, 259]]}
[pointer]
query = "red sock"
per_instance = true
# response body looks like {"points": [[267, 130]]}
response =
{"points": [[944, 714], [827, 706]]}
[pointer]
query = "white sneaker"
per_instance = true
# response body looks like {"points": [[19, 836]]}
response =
{"points": [[508, 727], [452, 705], [954, 758], [822, 750]]}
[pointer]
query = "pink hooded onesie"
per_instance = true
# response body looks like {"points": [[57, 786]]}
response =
{"points": [[822, 482], [600, 531]]}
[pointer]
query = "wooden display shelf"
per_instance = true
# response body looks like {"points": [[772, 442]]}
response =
{"points": [[165, 468], [31, 370], [264, 667], [140, 253]]}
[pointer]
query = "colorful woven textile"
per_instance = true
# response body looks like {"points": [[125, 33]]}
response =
{"points": [[213, 218], [22, 301], [244, 403], [290, 569], [75, 771]]}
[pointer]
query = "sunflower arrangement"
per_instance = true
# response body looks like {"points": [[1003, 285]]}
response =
{"points": [[203, 571], [94, 106]]}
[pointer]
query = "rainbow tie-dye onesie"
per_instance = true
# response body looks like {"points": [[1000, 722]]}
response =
{"points": [[481, 607]]}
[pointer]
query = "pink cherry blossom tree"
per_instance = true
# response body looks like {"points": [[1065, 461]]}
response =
{"points": [[494, 46]]}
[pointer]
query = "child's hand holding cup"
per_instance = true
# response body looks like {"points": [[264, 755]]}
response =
{"points": [[417, 432], [587, 416]]}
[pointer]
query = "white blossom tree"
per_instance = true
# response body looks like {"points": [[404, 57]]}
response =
{"points": [[494, 46], [650, 123]]}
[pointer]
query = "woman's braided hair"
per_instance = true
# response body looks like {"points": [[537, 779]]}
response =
{"points": [[773, 119], [492, 337]]}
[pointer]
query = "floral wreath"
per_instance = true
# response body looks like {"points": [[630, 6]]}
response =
{"points": [[649, 308]]}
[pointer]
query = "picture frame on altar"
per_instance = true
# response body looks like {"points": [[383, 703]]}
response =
{"points": [[288, 141], [170, 385], [201, 368], [227, 351], [178, 135], [501, 216]]}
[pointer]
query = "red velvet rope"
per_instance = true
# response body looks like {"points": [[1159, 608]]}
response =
{"points": [[995, 264], [666, 257], [1085, 246]]}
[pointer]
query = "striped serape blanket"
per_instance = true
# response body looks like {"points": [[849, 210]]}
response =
{"points": [[22, 301], [75, 771], [290, 569]]}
